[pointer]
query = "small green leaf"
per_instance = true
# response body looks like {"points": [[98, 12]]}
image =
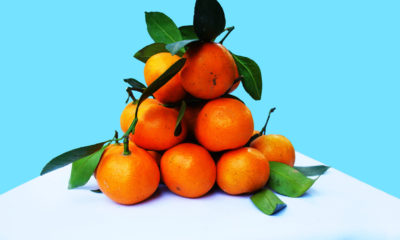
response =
{"points": [[174, 48], [252, 81], [145, 53], [209, 19], [312, 170], [267, 202], [83, 169], [96, 191], [178, 126], [161, 28], [188, 32], [70, 157], [135, 83], [288, 181]]}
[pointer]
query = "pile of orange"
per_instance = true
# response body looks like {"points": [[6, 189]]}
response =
{"points": [[213, 146]]}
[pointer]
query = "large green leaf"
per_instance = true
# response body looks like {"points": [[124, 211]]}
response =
{"points": [[267, 202], [188, 32], [312, 170], [70, 157], [161, 28], [83, 169], [287, 180], [209, 19], [145, 53], [252, 81], [154, 86], [178, 126], [175, 47]]}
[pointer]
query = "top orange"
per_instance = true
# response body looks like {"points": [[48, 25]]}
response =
{"points": [[209, 71], [155, 66]]}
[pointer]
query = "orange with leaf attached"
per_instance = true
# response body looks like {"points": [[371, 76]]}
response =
{"points": [[155, 66], [209, 71], [127, 179], [156, 125]]}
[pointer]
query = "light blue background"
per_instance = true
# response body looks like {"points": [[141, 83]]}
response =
{"points": [[332, 69]]}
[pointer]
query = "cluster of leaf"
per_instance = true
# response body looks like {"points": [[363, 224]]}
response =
{"points": [[208, 24], [288, 181]]}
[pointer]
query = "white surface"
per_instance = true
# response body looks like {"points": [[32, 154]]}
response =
{"points": [[336, 207]]}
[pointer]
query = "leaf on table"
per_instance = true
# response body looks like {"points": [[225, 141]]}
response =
{"points": [[178, 125], [145, 53], [188, 32], [312, 170], [161, 28], [83, 169], [288, 181], [267, 202], [70, 157], [251, 73], [175, 47], [209, 19]]}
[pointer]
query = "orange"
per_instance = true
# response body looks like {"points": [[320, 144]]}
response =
{"points": [[224, 123], [127, 179], [243, 170], [188, 170], [275, 148], [127, 116], [155, 66], [156, 156], [209, 71], [155, 127]]}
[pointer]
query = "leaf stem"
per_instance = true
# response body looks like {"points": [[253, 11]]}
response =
{"points": [[266, 123], [126, 146], [229, 29], [116, 137], [130, 94]]}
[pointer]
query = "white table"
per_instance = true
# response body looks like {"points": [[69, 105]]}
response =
{"points": [[336, 207]]}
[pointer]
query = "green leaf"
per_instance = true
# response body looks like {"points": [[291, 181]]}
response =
{"points": [[161, 28], [145, 53], [188, 32], [135, 83], [209, 19], [178, 126], [312, 170], [83, 169], [154, 86], [174, 48], [267, 202], [70, 157], [252, 81], [288, 181]]}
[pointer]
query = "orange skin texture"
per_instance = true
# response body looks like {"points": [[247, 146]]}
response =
{"points": [[190, 117], [155, 127], [243, 170], [155, 66], [156, 156], [127, 179], [209, 71], [275, 148], [127, 116], [188, 170], [223, 124]]}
